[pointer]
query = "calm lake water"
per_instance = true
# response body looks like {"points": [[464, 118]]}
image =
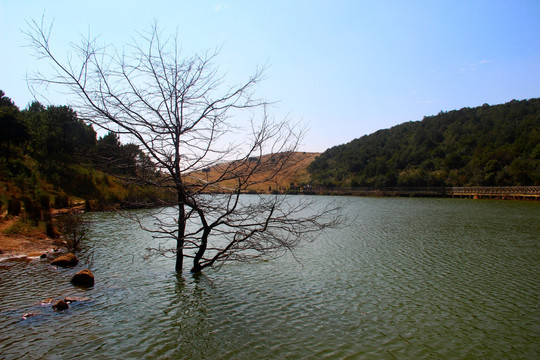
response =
{"points": [[407, 279]]}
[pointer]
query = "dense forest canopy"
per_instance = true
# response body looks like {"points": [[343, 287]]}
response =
{"points": [[488, 145], [50, 151]]}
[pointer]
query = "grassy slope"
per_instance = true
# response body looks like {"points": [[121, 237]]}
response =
{"points": [[295, 173]]}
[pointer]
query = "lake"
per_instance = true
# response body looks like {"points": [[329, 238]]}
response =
{"points": [[406, 278]]}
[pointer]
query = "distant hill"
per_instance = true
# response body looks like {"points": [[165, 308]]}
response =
{"points": [[291, 177], [487, 145]]}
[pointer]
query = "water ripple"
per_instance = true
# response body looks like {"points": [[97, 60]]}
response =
{"points": [[412, 278]]}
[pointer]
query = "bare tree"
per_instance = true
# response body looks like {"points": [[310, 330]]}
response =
{"points": [[73, 228], [178, 110]]}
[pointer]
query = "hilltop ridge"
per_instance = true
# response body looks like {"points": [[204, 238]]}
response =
{"points": [[487, 145]]}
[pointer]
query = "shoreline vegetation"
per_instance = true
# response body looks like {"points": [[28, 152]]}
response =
{"points": [[20, 239], [52, 162]]}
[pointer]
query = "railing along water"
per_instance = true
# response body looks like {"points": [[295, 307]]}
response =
{"points": [[499, 192], [473, 192]]}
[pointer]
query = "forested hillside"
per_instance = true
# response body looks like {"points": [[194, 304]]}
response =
{"points": [[488, 145], [49, 153]]}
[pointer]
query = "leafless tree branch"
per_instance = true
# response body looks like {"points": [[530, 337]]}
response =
{"points": [[178, 110]]}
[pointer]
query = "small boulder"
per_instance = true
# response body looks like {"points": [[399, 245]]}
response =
{"points": [[34, 254], [46, 301], [29, 315], [60, 305], [66, 260], [72, 299], [83, 278]]}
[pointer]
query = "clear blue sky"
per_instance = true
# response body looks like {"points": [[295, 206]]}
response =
{"points": [[344, 68]]}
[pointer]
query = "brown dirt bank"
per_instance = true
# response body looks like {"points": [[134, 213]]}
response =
{"points": [[33, 242], [30, 244], [27, 245]]}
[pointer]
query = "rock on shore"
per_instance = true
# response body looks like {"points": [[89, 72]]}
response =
{"points": [[66, 260]]}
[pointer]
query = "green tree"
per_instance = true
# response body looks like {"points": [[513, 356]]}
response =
{"points": [[488, 145], [14, 131]]}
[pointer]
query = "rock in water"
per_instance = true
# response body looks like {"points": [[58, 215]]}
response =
{"points": [[66, 260], [60, 305], [29, 315], [46, 301], [72, 299], [83, 278]]}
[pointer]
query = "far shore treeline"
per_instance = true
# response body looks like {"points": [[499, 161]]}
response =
{"points": [[48, 152], [483, 146]]}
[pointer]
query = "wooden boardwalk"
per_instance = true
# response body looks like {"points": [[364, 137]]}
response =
{"points": [[497, 192], [471, 192]]}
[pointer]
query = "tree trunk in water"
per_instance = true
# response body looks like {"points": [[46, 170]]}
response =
{"points": [[180, 238], [196, 268], [200, 252]]}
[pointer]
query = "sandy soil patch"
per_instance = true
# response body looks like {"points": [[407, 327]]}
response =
{"points": [[31, 244]]}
